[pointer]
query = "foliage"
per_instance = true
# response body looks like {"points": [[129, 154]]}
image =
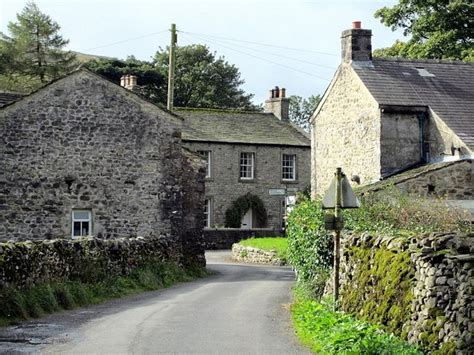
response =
{"points": [[277, 244], [302, 109], [204, 80], [391, 211], [34, 53], [310, 246], [328, 332], [442, 29], [388, 276], [150, 80], [18, 304], [234, 214]]}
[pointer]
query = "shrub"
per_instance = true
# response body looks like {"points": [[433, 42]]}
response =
{"points": [[234, 214]]}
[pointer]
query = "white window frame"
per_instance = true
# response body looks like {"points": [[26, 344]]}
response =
{"points": [[247, 164], [207, 154], [291, 167], [80, 220], [207, 212]]}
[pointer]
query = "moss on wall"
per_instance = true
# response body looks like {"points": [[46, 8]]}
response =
{"points": [[380, 287]]}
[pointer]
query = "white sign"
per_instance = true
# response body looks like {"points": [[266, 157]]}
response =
{"points": [[277, 192]]}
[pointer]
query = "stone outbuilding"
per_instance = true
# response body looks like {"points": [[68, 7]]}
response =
{"points": [[380, 117], [250, 156], [84, 156]]}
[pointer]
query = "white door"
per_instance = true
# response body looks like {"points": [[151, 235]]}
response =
{"points": [[246, 220]]}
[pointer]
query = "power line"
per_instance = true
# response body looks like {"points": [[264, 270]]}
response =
{"points": [[264, 59], [262, 44], [126, 40]]}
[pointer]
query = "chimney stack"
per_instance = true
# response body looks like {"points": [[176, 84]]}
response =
{"points": [[278, 104], [356, 44], [128, 81]]}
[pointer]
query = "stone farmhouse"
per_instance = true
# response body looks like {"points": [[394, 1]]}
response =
{"points": [[249, 154], [381, 117], [84, 156]]}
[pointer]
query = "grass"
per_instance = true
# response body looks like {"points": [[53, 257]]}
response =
{"points": [[34, 302], [277, 244], [325, 331]]}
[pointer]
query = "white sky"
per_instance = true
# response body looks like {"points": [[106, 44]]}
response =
{"points": [[308, 25]]}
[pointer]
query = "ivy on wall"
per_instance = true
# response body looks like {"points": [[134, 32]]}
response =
{"points": [[234, 214]]}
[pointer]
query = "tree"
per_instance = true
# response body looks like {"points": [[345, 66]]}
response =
{"points": [[150, 80], [34, 50], [439, 29], [302, 109], [202, 80]]}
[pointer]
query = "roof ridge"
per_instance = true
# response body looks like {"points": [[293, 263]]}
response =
{"points": [[220, 110], [431, 61]]}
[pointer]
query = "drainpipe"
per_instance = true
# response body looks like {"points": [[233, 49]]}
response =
{"points": [[421, 123]]}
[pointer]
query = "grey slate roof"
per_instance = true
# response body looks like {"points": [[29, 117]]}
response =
{"points": [[449, 93], [8, 97], [239, 127]]}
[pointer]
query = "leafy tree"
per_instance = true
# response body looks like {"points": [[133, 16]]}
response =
{"points": [[34, 50], [150, 80], [302, 109], [439, 29], [202, 80]]}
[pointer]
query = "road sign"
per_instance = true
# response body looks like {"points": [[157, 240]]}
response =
{"points": [[277, 192], [348, 198]]}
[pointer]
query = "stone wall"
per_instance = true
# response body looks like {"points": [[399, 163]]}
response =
{"points": [[85, 143], [346, 133], [25, 264], [224, 186], [255, 256], [421, 288], [224, 238]]}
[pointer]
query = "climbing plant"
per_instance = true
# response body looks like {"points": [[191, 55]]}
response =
{"points": [[234, 214]]}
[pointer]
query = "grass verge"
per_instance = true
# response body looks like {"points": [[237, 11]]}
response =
{"points": [[34, 302], [278, 244], [325, 331]]}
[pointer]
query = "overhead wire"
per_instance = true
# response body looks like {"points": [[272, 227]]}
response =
{"points": [[126, 40], [257, 57]]}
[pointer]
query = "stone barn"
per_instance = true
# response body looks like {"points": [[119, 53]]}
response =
{"points": [[85, 157]]}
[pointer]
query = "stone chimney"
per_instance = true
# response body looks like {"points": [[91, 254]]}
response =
{"points": [[356, 44], [278, 103], [128, 81]]}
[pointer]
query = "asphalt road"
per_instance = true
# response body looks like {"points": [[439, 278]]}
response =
{"points": [[241, 309]]}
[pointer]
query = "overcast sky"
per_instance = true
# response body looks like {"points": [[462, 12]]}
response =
{"points": [[313, 27]]}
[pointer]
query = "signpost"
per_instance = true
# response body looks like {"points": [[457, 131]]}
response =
{"points": [[339, 196]]}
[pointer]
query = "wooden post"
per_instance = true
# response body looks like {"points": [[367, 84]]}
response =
{"points": [[171, 67], [337, 235]]}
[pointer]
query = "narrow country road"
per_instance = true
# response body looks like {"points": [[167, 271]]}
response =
{"points": [[241, 309]]}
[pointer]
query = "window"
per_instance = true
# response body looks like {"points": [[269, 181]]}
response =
{"points": [[206, 154], [81, 223], [247, 165], [207, 213], [288, 167]]}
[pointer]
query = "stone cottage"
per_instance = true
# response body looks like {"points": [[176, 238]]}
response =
{"points": [[382, 116], [249, 154], [83, 156]]}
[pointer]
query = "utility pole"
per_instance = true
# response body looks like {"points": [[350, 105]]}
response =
{"points": [[337, 234], [174, 39]]}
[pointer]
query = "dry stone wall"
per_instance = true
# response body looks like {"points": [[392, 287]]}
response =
{"points": [[421, 288], [255, 256]]}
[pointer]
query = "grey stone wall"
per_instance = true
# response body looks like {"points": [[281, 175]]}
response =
{"points": [[255, 256], [224, 238], [225, 186], [346, 133], [400, 141], [85, 143]]}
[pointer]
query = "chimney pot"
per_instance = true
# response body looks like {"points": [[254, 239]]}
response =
{"points": [[356, 24], [283, 93]]}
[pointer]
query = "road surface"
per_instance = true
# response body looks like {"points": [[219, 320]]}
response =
{"points": [[241, 309]]}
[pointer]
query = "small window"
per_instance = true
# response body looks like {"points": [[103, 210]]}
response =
{"points": [[247, 162], [81, 223], [206, 154], [288, 167], [207, 213]]}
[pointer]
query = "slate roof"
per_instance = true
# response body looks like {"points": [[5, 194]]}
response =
{"points": [[240, 127], [449, 93], [8, 97]]}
